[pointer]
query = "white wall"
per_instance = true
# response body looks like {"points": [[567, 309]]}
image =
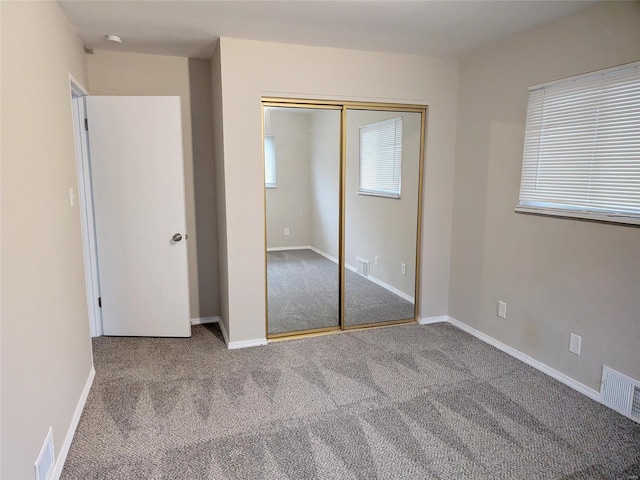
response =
{"points": [[220, 193], [325, 181], [45, 347], [306, 199], [204, 191], [557, 276], [253, 69], [386, 227], [288, 205]]}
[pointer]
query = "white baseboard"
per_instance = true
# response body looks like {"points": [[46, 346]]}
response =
{"points": [[281, 249], [203, 320], [241, 344], [561, 377], [384, 285], [306, 247], [390, 288], [225, 335], [258, 342], [430, 320], [378, 282], [64, 450], [325, 255]]}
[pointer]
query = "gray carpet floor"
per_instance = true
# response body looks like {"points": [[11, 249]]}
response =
{"points": [[406, 402], [303, 294]]}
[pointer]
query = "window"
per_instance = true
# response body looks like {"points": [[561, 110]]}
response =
{"points": [[582, 147], [380, 158], [269, 161]]}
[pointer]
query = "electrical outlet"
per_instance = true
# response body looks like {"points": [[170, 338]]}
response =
{"points": [[502, 309], [286, 231], [376, 260], [403, 268], [575, 342]]}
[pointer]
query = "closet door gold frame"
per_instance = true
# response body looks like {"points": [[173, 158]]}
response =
{"points": [[343, 107]]}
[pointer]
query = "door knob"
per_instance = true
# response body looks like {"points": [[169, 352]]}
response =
{"points": [[176, 237]]}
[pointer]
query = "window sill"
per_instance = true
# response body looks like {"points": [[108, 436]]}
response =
{"points": [[378, 194], [582, 215]]}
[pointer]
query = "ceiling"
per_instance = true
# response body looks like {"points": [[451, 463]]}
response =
{"points": [[191, 28]]}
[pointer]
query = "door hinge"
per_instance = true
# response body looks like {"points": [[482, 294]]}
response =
{"points": [[100, 302], [86, 124]]}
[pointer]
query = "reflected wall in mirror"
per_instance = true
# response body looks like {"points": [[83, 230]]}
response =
{"points": [[302, 195], [381, 215]]}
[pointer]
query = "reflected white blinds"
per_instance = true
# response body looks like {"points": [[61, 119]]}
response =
{"points": [[269, 161], [380, 158]]}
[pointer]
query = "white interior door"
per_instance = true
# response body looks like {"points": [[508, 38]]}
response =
{"points": [[135, 146]]}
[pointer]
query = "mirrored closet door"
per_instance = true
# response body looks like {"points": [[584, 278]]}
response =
{"points": [[381, 215], [342, 210], [302, 201]]}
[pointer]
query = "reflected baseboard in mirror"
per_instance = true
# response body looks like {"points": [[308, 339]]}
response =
{"points": [[303, 294], [382, 185], [367, 302], [302, 207]]}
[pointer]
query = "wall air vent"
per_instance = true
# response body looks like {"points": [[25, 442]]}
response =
{"points": [[620, 393], [362, 266], [44, 463]]}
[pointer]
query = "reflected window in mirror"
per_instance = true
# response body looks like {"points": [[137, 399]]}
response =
{"points": [[303, 219], [381, 217], [380, 158], [269, 161]]}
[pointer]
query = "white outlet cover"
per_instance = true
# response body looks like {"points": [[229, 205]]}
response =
{"points": [[575, 343], [502, 309]]}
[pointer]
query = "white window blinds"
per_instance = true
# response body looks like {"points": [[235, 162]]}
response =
{"points": [[582, 147], [380, 158], [269, 162]]}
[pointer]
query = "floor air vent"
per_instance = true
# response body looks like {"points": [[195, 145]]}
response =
{"points": [[621, 393], [362, 266], [635, 404]]}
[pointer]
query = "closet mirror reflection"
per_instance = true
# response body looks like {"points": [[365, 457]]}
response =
{"points": [[342, 210], [302, 202], [383, 157]]}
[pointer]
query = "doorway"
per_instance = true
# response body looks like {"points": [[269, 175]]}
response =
{"points": [[131, 189], [343, 187]]}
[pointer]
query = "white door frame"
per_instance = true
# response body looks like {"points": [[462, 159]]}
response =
{"points": [[85, 200]]}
